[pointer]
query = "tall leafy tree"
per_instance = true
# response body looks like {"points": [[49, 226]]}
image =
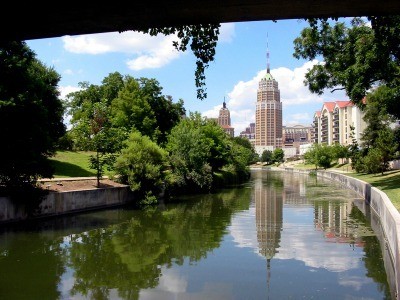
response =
{"points": [[31, 115], [189, 151], [356, 57], [141, 165]]}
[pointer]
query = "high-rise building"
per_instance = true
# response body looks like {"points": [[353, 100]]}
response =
{"points": [[268, 114], [334, 122], [224, 120]]}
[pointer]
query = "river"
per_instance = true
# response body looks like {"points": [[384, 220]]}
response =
{"points": [[278, 236]]}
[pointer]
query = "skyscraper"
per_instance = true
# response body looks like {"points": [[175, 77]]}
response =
{"points": [[268, 113]]}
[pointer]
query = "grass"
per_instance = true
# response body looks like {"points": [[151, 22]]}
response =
{"points": [[73, 164], [389, 183]]}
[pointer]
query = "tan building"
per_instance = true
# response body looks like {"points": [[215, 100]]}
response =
{"points": [[332, 124], [268, 115], [294, 136], [224, 120]]}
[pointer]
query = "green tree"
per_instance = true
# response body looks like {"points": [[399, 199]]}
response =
{"points": [[189, 152], [131, 104], [31, 116], [319, 155], [245, 142], [376, 117], [106, 141], [141, 165], [266, 156], [278, 155], [356, 58], [378, 157], [339, 151]]}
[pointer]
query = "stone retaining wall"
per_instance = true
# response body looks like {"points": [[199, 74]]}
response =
{"points": [[60, 203], [389, 216]]}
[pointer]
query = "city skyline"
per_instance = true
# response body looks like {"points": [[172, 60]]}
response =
{"points": [[240, 63]]}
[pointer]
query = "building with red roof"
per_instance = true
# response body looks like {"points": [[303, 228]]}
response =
{"points": [[338, 122]]}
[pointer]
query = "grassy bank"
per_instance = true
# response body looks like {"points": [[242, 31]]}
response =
{"points": [[389, 183], [73, 164]]}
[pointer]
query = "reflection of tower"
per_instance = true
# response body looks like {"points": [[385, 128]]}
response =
{"points": [[269, 217]]}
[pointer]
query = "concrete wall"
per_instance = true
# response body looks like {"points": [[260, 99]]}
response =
{"points": [[388, 217], [67, 202]]}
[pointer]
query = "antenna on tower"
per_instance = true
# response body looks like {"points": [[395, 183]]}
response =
{"points": [[268, 70]]}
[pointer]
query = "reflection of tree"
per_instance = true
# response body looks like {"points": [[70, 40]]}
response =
{"points": [[30, 268], [373, 259], [129, 256]]}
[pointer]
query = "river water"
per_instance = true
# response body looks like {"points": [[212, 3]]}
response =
{"points": [[279, 236]]}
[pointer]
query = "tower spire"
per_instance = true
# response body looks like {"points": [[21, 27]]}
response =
{"points": [[224, 104], [268, 69]]}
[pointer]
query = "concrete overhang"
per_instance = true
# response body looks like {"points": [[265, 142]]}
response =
{"points": [[33, 20]]}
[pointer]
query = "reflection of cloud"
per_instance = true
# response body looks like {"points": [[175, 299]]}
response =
{"points": [[309, 246], [172, 282], [355, 282], [173, 285], [243, 230]]}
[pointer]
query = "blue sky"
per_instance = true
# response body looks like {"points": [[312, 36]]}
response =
{"points": [[240, 62]]}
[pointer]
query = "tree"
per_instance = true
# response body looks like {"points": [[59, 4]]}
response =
{"points": [[132, 104], [141, 165], [266, 156], [245, 142], [203, 41], [356, 57], [31, 116], [319, 155], [106, 141], [189, 151], [278, 155]]}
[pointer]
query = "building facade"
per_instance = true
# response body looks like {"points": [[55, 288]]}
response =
{"points": [[338, 122], [268, 127], [224, 120], [250, 133], [294, 136]]}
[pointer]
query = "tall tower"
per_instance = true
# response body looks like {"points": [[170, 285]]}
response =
{"points": [[224, 117], [224, 120], [268, 113]]}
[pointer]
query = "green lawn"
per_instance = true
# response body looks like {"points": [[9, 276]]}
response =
{"points": [[389, 183], [73, 164]]}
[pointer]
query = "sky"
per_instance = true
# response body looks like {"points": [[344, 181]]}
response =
{"points": [[240, 62]]}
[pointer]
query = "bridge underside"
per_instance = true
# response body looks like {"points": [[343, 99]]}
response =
{"points": [[36, 20]]}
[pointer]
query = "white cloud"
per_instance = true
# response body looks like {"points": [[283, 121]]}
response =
{"points": [[65, 90], [68, 72], [148, 51]]}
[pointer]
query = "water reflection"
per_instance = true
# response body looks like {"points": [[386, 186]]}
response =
{"points": [[279, 236]]}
